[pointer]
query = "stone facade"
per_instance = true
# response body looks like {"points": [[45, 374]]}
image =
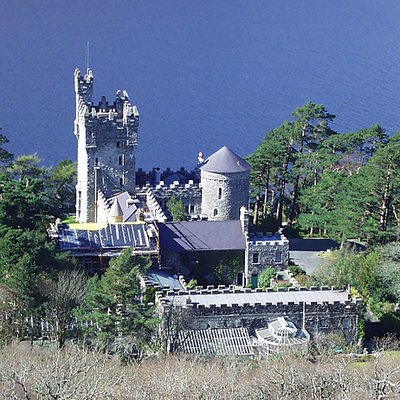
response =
{"points": [[319, 316], [262, 251], [266, 252], [107, 139], [190, 194], [224, 194]]}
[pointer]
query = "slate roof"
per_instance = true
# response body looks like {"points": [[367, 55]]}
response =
{"points": [[319, 296], [201, 236], [112, 236], [225, 161]]}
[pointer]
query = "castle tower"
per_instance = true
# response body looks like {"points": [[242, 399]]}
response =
{"points": [[225, 181], [107, 139]]}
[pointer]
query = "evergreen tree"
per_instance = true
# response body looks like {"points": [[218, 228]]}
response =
{"points": [[61, 188], [5, 156], [26, 167], [113, 305], [177, 209], [22, 203]]}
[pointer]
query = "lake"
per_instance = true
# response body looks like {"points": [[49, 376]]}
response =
{"points": [[203, 73]]}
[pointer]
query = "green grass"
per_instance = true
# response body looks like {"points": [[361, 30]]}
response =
{"points": [[70, 220]]}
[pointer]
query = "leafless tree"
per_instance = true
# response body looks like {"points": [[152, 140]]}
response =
{"points": [[64, 295], [37, 373], [174, 323]]}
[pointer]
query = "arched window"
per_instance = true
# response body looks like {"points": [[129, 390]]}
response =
{"points": [[219, 193], [215, 212]]}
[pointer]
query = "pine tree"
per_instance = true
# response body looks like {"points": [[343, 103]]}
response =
{"points": [[113, 308]]}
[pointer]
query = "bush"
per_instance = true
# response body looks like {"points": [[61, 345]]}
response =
{"points": [[296, 270], [266, 276], [192, 284]]}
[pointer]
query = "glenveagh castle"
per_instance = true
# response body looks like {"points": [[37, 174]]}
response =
{"points": [[110, 191], [119, 207]]}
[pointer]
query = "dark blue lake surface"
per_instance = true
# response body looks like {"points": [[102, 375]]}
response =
{"points": [[203, 73]]}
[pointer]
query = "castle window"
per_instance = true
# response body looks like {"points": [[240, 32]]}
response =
{"points": [[256, 258], [278, 257], [121, 160], [79, 202], [118, 144], [121, 181], [215, 212], [219, 193]]}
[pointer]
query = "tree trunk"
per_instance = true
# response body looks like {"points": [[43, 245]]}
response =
{"points": [[266, 193], [256, 210], [385, 203], [296, 188], [279, 212]]}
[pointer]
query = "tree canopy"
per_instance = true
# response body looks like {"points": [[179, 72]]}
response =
{"points": [[326, 183]]}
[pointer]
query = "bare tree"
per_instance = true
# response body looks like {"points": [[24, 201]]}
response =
{"points": [[174, 324], [64, 296], [38, 373]]}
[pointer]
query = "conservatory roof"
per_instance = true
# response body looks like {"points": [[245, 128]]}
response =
{"points": [[221, 342]]}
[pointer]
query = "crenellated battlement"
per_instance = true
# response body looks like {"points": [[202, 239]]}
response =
{"points": [[162, 191], [236, 297], [317, 309]]}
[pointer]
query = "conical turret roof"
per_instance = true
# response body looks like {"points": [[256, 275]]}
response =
{"points": [[116, 210], [225, 161]]}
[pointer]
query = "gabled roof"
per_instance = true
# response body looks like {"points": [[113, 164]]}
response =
{"points": [[225, 161], [201, 236]]}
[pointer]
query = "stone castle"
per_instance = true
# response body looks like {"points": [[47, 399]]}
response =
{"points": [[107, 141], [107, 192], [125, 210]]}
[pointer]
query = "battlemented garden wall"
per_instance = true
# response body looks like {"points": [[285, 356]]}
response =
{"points": [[318, 310]]}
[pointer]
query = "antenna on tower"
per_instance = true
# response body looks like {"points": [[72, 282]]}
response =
{"points": [[87, 55]]}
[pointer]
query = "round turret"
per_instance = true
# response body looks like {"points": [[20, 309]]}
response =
{"points": [[225, 181], [116, 215]]}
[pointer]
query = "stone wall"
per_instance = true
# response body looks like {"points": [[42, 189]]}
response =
{"points": [[318, 317], [189, 193], [266, 252], [224, 194]]}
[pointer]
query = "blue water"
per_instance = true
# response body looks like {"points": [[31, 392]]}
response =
{"points": [[203, 73]]}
